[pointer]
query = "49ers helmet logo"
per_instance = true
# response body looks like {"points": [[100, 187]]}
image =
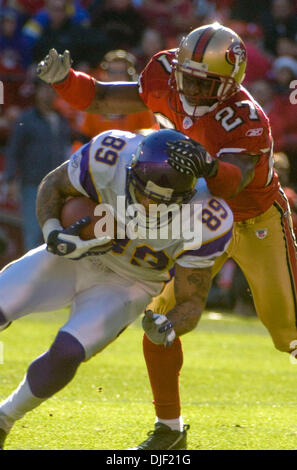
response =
{"points": [[237, 49]]}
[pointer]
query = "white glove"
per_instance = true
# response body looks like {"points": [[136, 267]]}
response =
{"points": [[67, 242], [54, 67], [158, 328]]}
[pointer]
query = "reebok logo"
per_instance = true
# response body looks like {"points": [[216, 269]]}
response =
{"points": [[254, 132]]}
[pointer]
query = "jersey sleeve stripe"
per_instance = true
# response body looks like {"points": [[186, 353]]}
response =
{"points": [[74, 173], [211, 248], [85, 178], [230, 150]]}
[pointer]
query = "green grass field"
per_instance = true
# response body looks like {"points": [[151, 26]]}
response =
{"points": [[237, 391]]}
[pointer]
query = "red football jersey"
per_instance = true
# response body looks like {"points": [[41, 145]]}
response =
{"points": [[238, 125]]}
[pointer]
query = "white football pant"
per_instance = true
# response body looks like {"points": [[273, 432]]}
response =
{"points": [[102, 302]]}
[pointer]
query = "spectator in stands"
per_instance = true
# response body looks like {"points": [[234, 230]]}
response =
{"points": [[284, 70], [281, 113], [280, 21], [259, 61], [35, 26], [117, 65], [151, 42], [170, 17], [120, 21], [40, 141], [248, 11], [11, 38], [264, 94], [206, 11], [29, 7], [13, 63], [61, 26], [78, 8]]}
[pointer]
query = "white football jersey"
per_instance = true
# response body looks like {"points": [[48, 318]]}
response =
{"points": [[98, 170]]}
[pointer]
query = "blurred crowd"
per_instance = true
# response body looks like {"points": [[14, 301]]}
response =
{"points": [[113, 40]]}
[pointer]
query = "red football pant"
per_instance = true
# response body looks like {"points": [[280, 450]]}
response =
{"points": [[164, 365]]}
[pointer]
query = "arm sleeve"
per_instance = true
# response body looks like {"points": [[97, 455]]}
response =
{"points": [[92, 167], [78, 90]]}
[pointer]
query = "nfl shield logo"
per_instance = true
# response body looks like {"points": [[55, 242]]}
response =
{"points": [[62, 248], [187, 122], [261, 233]]}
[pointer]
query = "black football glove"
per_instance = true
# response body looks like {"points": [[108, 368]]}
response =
{"points": [[67, 242], [190, 158]]}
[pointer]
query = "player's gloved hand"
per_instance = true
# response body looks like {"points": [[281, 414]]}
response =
{"points": [[158, 328], [191, 158], [54, 67], [67, 242]]}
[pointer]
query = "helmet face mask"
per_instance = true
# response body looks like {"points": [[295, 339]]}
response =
{"points": [[209, 67], [207, 89], [150, 190]]}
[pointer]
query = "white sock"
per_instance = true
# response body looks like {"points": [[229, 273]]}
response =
{"points": [[174, 424], [17, 405]]}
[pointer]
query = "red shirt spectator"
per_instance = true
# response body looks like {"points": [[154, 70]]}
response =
{"points": [[259, 62], [276, 106], [170, 17], [30, 7]]}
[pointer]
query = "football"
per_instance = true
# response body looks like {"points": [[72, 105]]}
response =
{"points": [[78, 207]]}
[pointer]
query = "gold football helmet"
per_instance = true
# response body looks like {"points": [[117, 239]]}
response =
{"points": [[209, 66]]}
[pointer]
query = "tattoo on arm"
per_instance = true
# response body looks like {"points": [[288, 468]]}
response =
{"points": [[191, 291], [52, 193], [184, 317], [191, 282]]}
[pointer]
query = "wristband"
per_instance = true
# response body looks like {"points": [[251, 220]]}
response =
{"points": [[226, 181], [49, 226], [78, 89]]}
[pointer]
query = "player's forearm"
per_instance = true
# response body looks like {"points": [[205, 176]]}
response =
{"points": [[116, 98], [83, 92], [191, 287], [237, 170], [52, 192], [186, 315], [49, 200]]}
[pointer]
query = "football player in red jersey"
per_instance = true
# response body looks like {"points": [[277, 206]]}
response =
{"points": [[197, 89]]}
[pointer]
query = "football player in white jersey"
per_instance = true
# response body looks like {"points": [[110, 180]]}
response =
{"points": [[108, 284]]}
